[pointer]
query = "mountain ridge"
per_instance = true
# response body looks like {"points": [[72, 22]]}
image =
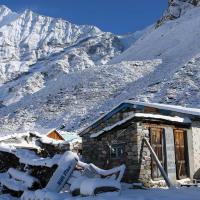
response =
{"points": [[57, 74], [31, 37]]}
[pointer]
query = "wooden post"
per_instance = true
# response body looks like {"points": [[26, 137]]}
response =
{"points": [[154, 156]]}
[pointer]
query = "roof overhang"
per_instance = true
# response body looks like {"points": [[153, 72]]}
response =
{"points": [[134, 104], [145, 117]]}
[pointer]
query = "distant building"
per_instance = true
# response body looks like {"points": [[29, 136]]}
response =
{"points": [[173, 132], [54, 134], [71, 138]]}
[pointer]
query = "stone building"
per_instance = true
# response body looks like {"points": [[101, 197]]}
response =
{"points": [[173, 132]]}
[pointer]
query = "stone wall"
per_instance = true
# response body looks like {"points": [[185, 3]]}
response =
{"points": [[144, 155], [114, 119], [136, 157], [97, 150], [196, 148]]}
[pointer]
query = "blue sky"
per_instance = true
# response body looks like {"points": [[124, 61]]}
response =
{"points": [[117, 16]]}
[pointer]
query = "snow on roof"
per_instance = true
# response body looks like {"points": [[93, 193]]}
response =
{"points": [[179, 109], [69, 140], [48, 140], [70, 137], [142, 115], [175, 108]]}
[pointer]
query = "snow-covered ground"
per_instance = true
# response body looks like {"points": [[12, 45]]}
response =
{"points": [[133, 194], [155, 194]]}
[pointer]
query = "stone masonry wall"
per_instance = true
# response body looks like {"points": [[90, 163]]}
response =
{"points": [[196, 148], [114, 119], [144, 155], [97, 150], [136, 157]]}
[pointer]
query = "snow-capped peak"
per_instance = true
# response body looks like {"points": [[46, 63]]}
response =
{"points": [[4, 8], [29, 37], [6, 15]]}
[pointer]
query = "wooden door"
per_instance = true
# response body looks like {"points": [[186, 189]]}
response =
{"points": [[157, 145], [181, 155]]}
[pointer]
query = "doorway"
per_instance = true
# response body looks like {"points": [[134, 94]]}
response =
{"points": [[157, 143], [181, 153]]}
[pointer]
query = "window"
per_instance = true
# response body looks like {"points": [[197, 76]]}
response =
{"points": [[117, 150]]}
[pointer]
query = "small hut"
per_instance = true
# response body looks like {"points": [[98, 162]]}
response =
{"points": [[172, 131], [71, 138]]}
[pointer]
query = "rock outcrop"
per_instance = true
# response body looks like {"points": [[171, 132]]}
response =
{"points": [[176, 8]]}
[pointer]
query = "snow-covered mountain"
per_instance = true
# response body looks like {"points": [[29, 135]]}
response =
{"points": [[57, 74], [176, 42], [177, 8], [27, 39]]}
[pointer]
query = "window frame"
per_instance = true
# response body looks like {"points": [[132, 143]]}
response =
{"points": [[117, 147]]}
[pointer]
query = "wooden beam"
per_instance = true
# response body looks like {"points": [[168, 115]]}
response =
{"points": [[154, 156]]}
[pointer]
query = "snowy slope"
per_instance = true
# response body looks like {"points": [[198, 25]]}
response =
{"points": [[36, 50], [71, 99], [181, 89], [56, 74], [177, 44]]}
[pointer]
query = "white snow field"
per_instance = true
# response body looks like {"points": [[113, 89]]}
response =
{"points": [[128, 194], [57, 74], [67, 99]]}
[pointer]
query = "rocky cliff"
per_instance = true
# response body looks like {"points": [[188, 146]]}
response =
{"points": [[176, 8]]}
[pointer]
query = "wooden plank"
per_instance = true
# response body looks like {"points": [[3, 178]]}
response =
{"points": [[162, 125], [54, 135], [180, 153], [154, 156], [157, 145], [150, 110]]}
